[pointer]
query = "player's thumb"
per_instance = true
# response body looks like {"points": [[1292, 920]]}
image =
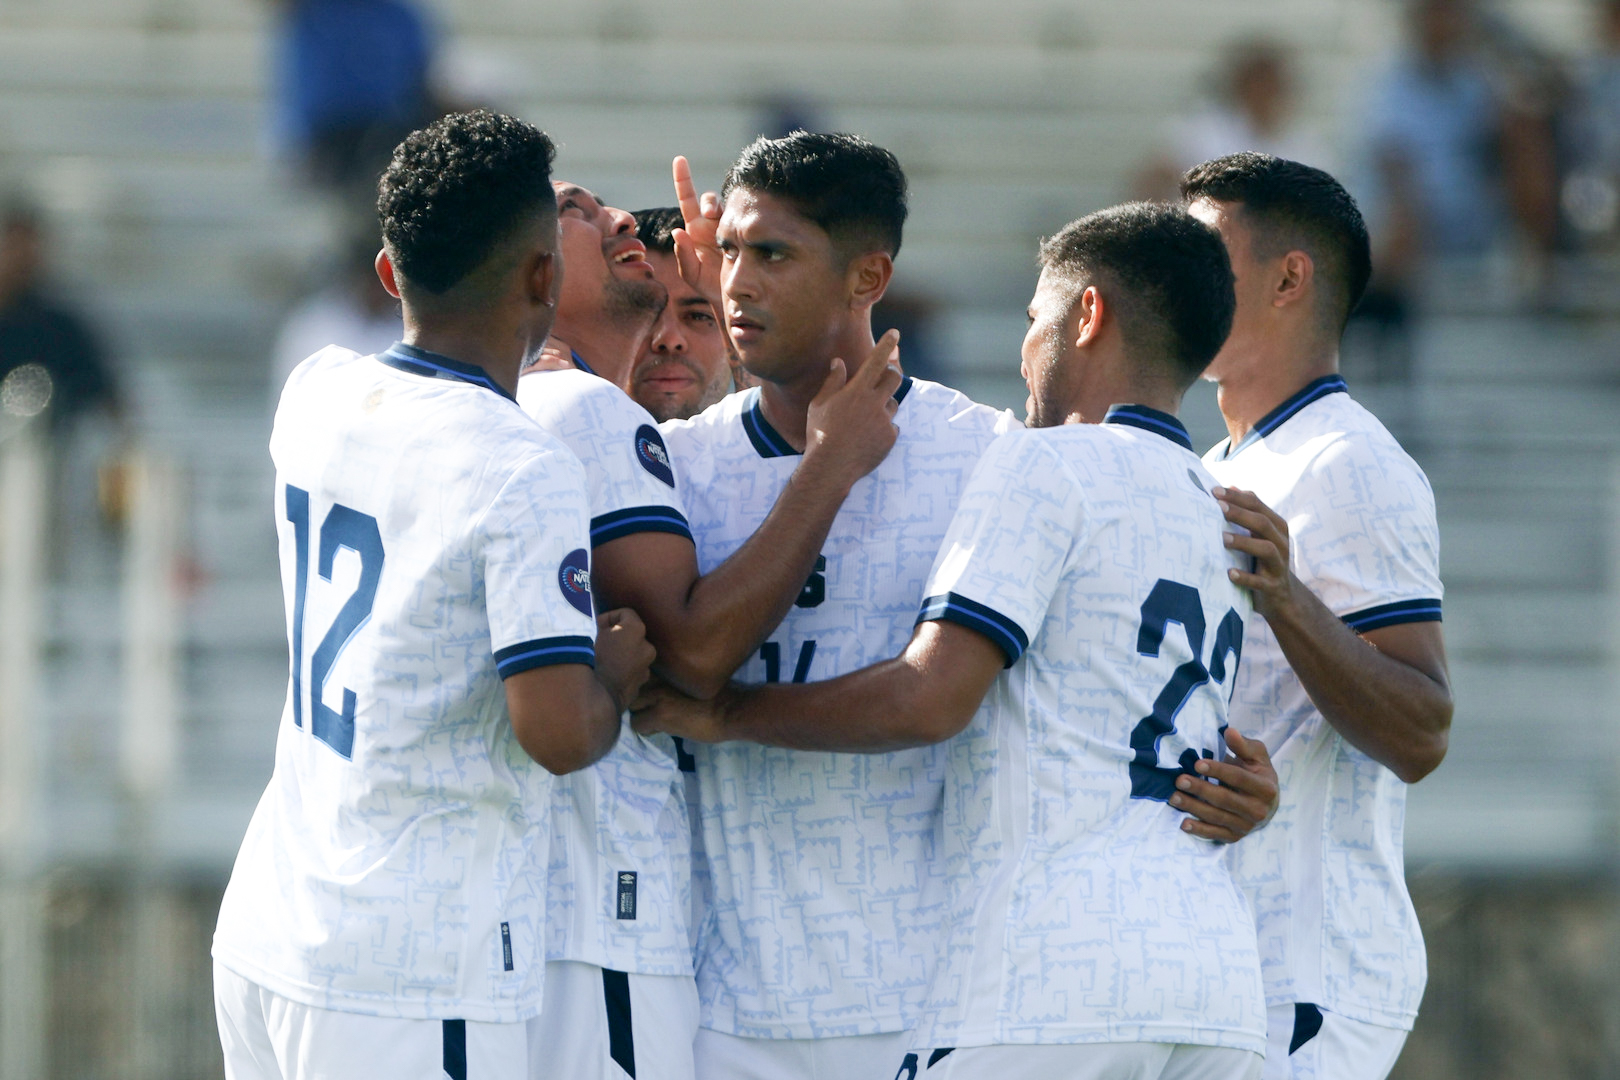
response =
{"points": [[1239, 745]]}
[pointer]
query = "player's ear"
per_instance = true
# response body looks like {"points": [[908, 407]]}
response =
{"points": [[385, 273], [1087, 316], [543, 277], [1293, 283], [868, 278]]}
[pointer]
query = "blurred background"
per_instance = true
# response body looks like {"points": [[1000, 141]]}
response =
{"points": [[184, 214]]}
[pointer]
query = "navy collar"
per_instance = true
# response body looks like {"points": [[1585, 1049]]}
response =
{"points": [[432, 365], [1160, 423], [579, 362], [769, 442], [1315, 390]]}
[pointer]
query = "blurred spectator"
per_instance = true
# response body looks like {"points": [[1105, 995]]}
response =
{"points": [[352, 81], [1459, 139], [1461, 159], [1253, 108], [354, 312], [1591, 191], [48, 356]]}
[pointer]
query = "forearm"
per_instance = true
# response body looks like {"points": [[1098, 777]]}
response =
{"points": [[1386, 708], [871, 711], [733, 608]]}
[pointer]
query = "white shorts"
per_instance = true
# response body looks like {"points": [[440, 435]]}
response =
{"points": [[267, 1037], [608, 1025], [1083, 1061], [850, 1057], [1305, 1042]]}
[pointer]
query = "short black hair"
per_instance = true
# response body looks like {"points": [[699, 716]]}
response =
{"points": [[1166, 274], [656, 227], [854, 190], [459, 187], [1294, 207]]}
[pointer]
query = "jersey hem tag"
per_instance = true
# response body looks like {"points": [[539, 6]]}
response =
{"points": [[627, 895]]}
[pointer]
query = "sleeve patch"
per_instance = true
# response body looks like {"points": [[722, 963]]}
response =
{"points": [[1403, 611], [638, 519], [574, 578], [1005, 634], [653, 454], [532, 654]]}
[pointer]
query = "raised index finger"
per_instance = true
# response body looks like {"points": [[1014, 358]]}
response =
{"points": [[686, 192]]}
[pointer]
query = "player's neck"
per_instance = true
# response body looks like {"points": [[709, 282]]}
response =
{"points": [[786, 405], [1249, 388], [610, 351], [502, 363]]}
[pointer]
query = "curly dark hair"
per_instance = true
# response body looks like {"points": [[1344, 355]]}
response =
{"points": [[1294, 207], [854, 190], [458, 187], [1166, 274], [656, 227]]}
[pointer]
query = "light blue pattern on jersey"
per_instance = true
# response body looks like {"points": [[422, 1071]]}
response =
{"points": [[1327, 877], [1078, 910], [628, 811], [409, 880], [825, 897]]}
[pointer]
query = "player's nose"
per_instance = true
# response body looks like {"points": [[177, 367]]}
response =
{"points": [[619, 221]]}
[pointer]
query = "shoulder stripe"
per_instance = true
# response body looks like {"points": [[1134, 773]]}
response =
{"points": [[544, 651], [638, 519], [1403, 611], [1005, 634]]}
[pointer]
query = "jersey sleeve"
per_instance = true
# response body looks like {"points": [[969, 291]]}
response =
{"points": [[1365, 538], [537, 579], [1004, 552], [633, 484]]}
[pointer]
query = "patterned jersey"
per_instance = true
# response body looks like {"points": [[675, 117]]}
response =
{"points": [[1079, 911], [824, 895], [433, 542], [1337, 927], [620, 857]]}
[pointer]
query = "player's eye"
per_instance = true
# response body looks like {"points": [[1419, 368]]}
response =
{"points": [[701, 317]]}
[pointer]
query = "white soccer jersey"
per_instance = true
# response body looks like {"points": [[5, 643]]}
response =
{"points": [[1079, 911], [824, 891], [621, 842], [1337, 927], [433, 542]]}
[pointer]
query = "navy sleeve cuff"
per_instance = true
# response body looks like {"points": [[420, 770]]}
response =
{"points": [[638, 519], [556, 650], [1005, 634], [1403, 611]]}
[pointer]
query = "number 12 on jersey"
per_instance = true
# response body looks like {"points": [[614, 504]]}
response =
{"points": [[343, 528]]}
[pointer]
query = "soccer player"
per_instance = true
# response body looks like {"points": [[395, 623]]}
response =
{"points": [[1083, 585], [620, 942], [687, 364], [386, 915], [1344, 675], [825, 867]]}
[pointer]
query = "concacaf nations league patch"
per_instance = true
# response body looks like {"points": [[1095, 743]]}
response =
{"points": [[653, 455], [575, 578]]}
